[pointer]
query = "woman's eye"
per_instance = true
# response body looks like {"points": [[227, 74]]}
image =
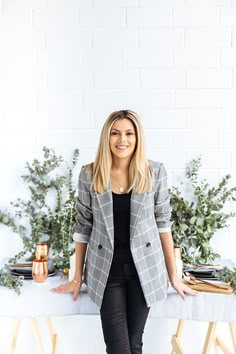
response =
{"points": [[116, 133]]}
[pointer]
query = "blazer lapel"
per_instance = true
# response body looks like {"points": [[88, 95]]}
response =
{"points": [[136, 204], [106, 204]]}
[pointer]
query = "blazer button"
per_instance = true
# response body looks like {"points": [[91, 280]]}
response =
{"points": [[148, 244], [100, 247]]}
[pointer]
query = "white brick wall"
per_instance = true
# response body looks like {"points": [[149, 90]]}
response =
{"points": [[209, 78], [208, 37], [159, 38], [190, 58], [149, 58], [65, 65]]}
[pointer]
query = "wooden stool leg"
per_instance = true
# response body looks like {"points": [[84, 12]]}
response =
{"points": [[37, 335], [216, 347], [209, 338], [232, 327], [14, 334], [222, 345], [176, 346], [52, 334], [54, 343]]}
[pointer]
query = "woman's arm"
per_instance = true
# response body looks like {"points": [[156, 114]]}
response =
{"points": [[162, 212], [80, 251], [74, 285], [168, 250]]}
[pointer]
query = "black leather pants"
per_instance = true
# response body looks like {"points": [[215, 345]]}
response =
{"points": [[124, 312]]}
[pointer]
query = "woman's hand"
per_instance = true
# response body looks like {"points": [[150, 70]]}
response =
{"points": [[69, 287], [182, 289]]}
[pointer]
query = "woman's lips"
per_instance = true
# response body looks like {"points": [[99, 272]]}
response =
{"points": [[122, 147]]}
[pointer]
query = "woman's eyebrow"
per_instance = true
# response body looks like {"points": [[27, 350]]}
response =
{"points": [[119, 130]]}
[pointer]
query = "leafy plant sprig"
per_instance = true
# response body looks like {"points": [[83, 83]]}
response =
{"points": [[228, 276], [8, 280], [49, 213], [196, 217]]}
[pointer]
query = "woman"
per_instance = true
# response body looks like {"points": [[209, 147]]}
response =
{"points": [[123, 221]]}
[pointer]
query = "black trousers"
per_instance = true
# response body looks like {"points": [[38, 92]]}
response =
{"points": [[124, 312]]}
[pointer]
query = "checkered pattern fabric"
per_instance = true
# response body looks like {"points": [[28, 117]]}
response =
{"points": [[150, 214]]}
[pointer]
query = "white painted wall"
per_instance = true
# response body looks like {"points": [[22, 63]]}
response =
{"points": [[66, 64]]}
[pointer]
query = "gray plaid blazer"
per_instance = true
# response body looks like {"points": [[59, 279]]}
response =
{"points": [[149, 214]]}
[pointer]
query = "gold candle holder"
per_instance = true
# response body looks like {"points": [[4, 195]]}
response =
{"points": [[40, 270], [42, 250]]}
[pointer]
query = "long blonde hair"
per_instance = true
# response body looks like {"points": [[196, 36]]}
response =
{"points": [[140, 171]]}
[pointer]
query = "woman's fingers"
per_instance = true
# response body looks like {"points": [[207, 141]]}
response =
{"points": [[57, 290], [76, 293], [181, 293], [182, 289], [189, 291], [69, 287], [60, 287]]}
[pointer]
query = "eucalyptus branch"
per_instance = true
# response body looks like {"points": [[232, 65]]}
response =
{"points": [[34, 220], [228, 276], [195, 222], [10, 281]]}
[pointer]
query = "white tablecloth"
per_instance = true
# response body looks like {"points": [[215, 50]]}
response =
{"points": [[37, 300]]}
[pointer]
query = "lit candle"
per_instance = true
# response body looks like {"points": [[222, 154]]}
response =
{"points": [[72, 267]]}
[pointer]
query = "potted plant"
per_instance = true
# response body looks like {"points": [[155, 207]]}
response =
{"points": [[198, 211], [49, 213]]}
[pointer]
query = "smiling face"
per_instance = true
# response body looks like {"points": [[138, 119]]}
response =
{"points": [[122, 139]]}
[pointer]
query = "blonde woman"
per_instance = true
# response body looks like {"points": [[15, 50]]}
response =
{"points": [[123, 221]]}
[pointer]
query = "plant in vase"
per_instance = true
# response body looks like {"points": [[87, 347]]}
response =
{"points": [[198, 214], [49, 213]]}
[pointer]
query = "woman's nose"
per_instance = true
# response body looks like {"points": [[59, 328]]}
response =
{"points": [[123, 137]]}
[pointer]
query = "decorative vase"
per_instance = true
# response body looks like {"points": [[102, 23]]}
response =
{"points": [[42, 250], [40, 270]]}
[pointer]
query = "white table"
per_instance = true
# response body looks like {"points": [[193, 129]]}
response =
{"points": [[36, 300]]}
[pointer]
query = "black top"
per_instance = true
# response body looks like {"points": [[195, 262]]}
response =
{"points": [[121, 220]]}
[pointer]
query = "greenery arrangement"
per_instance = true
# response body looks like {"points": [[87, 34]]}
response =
{"points": [[227, 276], [199, 214], [6, 279], [48, 214]]}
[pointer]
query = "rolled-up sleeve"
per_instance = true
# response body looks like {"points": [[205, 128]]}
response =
{"points": [[84, 216], [162, 209]]}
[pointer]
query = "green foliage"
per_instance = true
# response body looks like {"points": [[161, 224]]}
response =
{"points": [[197, 218], [6, 279], [228, 276], [49, 213]]}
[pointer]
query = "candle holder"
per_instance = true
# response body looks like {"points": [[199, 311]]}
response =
{"points": [[42, 250], [40, 270]]}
